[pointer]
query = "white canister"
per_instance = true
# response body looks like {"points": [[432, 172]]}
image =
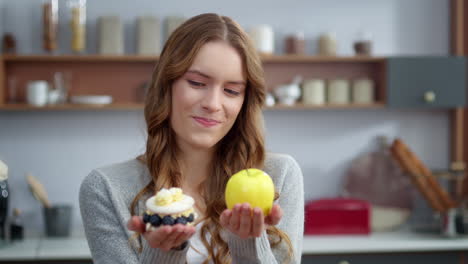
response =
{"points": [[111, 35], [338, 91], [37, 93], [148, 35], [263, 38], [313, 92], [363, 91]]}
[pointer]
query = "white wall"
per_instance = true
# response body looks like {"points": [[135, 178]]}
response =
{"points": [[61, 148]]}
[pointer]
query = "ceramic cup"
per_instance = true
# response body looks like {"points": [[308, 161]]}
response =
{"points": [[37, 93]]}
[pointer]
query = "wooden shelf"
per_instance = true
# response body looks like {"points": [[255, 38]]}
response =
{"points": [[27, 107], [324, 107], [136, 106], [138, 58], [124, 76], [79, 58], [318, 59]]}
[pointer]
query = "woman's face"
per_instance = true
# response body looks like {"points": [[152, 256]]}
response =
{"points": [[208, 97]]}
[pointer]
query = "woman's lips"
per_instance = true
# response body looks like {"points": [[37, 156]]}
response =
{"points": [[206, 122]]}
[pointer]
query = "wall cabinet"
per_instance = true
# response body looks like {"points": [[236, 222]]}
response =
{"points": [[426, 82]]}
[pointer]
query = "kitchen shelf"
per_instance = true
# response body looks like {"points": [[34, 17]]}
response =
{"points": [[139, 106], [79, 58], [124, 76], [139, 58], [27, 107]]}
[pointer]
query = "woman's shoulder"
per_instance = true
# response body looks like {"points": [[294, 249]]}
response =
{"points": [[280, 166], [279, 161], [130, 175]]}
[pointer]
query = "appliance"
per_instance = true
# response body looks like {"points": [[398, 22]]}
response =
{"points": [[337, 216]]}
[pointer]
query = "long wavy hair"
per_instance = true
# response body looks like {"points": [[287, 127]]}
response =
{"points": [[242, 147]]}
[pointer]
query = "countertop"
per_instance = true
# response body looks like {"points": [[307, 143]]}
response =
{"points": [[74, 248]]}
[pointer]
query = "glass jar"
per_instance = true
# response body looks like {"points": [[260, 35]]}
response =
{"points": [[50, 24], [78, 25]]}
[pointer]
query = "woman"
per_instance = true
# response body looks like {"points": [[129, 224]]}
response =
{"points": [[204, 121]]}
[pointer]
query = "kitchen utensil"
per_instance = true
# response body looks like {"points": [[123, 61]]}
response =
{"points": [[38, 190], [289, 93], [337, 216], [37, 93], [91, 99], [4, 197], [422, 177], [388, 218], [57, 220]]}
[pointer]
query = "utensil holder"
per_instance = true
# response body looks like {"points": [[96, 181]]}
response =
{"points": [[57, 220]]}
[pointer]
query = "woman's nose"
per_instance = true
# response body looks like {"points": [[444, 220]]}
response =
{"points": [[213, 99]]}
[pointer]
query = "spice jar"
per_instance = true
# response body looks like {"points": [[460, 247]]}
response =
{"points": [[363, 44], [295, 44], [50, 24], [338, 91], [78, 24], [363, 91], [327, 44], [313, 92]]}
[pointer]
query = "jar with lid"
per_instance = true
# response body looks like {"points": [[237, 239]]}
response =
{"points": [[327, 44], [295, 44], [77, 25], [363, 43], [50, 24], [338, 91]]}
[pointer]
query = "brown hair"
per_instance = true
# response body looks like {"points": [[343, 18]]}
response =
{"points": [[242, 147]]}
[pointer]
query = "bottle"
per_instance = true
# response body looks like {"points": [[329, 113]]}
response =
{"points": [[78, 25], [50, 24], [16, 227]]}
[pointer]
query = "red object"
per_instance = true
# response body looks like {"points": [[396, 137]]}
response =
{"points": [[337, 216]]}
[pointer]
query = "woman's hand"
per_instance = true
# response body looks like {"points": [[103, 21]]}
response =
{"points": [[246, 222], [164, 237]]}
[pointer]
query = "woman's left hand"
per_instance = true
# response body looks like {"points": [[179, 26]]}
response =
{"points": [[246, 222]]}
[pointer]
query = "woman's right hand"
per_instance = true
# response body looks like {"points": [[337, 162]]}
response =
{"points": [[164, 237]]}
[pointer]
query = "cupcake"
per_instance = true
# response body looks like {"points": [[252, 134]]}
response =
{"points": [[169, 207]]}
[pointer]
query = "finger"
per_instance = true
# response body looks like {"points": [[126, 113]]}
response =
{"points": [[258, 223], [245, 224], [235, 218], [225, 217], [135, 223], [185, 235], [275, 215], [156, 237], [169, 243]]}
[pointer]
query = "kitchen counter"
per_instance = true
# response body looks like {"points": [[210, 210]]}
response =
{"points": [[76, 248], [387, 242]]}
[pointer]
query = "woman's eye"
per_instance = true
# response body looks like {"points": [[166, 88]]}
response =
{"points": [[194, 83], [232, 92]]}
